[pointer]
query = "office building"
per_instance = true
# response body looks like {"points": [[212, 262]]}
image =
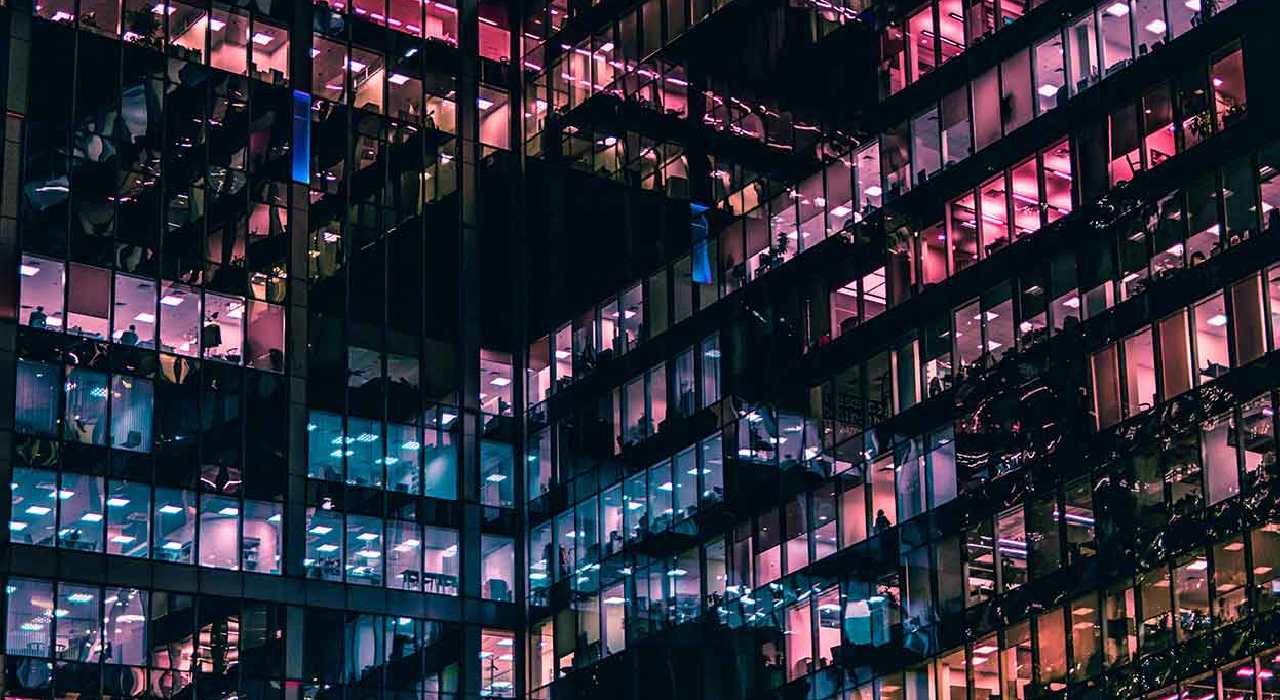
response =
{"points": [[706, 349]]}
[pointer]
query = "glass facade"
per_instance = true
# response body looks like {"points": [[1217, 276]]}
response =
{"points": [[803, 350]]}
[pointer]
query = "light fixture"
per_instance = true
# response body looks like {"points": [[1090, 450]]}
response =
{"points": [[171, 545], [1193, 5], [172, 300], [841, 211], [216, 25], [28, 270], [606, 46], [1119, 9], [321, 530], [483, 104], [1218, 320], [229, 510], [145, 317], [326, 548], [17, 525], [1048, 90], [1156, 26], [495, 478], [411, 543], [262, 39], [117, 502], [610, 141], [873, 191], [562, 354], [170, 509], [499, 381], [123, 539], [38, 510], [397, 79], [367, 536], [163, 9]]}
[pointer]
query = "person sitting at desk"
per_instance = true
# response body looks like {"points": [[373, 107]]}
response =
{"points": [[38, 318]]}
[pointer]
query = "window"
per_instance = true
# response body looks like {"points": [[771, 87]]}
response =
{"points": [[1050, 74], [1211, 321], [128, 516], [174, 521], [1106, 387], [987, 108], [1228, 88], [957, 139], [1140, 373], [1082, 54], [710, 370], [324, 545], [1017, 105], [29, 614], [497, 567], [219, 533], [1117, 45], [926, 145], [364, 539], [1174, 355]]}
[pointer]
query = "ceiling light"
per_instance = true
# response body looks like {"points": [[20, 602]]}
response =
{"points": [[28, 270], [321, 530], [1156, 26], [483, 103], [17, 525], [1193, 5], [229, 510], [1047, 90], [216, 25], [38, 510], [1119, 9], [326, 548], [1219, 320], [145, 317], [171, 300], [170, 509], [873, 191], [262, 39], [495, 478], [163, 9], [562, 354], [117, 502], [397, 79]]}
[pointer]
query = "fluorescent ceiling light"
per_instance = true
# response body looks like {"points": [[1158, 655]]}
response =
{"points": [[397, 79], [873, 191], [1047, 90], [28, 270], [1218, 320], [1119, 9], [262, 39], [1156, 26], [216, 25]]}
